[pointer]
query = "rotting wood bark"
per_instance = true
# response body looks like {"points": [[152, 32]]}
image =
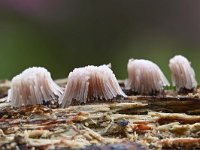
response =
{"points": [[154, 122]]}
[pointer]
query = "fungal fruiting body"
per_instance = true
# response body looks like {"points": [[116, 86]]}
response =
{"points": [[90, 83], [145, 77], [183, 75], [33, 86]]}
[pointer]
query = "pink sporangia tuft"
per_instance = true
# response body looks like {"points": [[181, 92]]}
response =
{"points": [[183, 75], [145, 77], [90, 83], [33, 86]]}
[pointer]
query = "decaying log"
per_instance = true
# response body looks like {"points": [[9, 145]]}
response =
{"points": [[138, 122]]}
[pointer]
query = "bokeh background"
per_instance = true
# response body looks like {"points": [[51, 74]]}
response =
{"points": [[61, 35]]}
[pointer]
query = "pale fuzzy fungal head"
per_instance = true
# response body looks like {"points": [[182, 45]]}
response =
{"points": [[183, 75], [145, 77], [33, 86], [89, 83]]}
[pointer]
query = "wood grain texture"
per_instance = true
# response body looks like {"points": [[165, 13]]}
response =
{"points": [[153, 122]]}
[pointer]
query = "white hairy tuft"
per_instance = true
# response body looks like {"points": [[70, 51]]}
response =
{"points": [[145, 77], [89, 83], [183, 75], [33, 86]]}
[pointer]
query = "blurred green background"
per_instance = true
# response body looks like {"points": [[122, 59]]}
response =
{"points": [[61, 35]]}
